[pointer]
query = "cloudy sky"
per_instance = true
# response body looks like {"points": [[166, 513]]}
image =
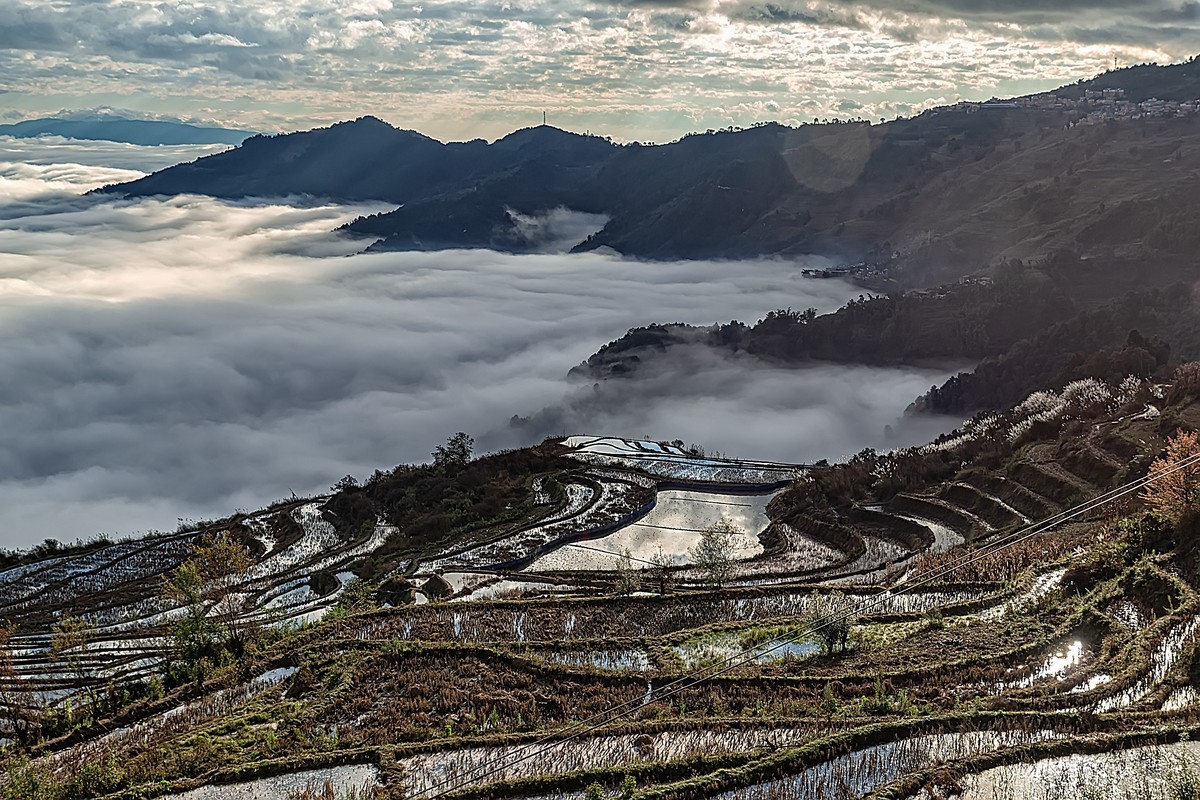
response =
{"points": [[186, 357], [631, 69]]}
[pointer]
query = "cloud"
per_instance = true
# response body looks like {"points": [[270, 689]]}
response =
{"points": [[63, 153], [633, 69], [187, 357], [556, 230], [855, 12], [738, 406]]}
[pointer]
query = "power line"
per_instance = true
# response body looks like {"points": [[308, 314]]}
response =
{"points": [[603, 718], [630, 556], [746, 656]]}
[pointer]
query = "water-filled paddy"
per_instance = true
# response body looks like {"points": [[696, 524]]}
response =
{"points": [[1144, 772], [674, 525], [359, 777]]}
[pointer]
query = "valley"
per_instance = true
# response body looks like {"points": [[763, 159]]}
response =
{"points": [[926, 525]]}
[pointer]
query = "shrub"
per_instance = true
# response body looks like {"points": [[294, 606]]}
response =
{"points": [[1185, 382], [1175, 491]]}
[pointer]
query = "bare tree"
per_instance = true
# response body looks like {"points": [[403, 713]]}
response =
{"points": [[20, 707], [70, 643], [627, 579], [660, 571]]}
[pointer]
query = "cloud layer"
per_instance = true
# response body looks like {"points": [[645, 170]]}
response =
{"points": [[634, 69], [187, 357]]}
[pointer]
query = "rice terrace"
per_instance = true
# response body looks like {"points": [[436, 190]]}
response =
{"points": [[1008, 611]]}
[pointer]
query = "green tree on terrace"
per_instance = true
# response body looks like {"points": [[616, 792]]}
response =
{"points": [[830, 617], [1176, 491], [713, 554], [204, 586], [71, 641], [195, 634]]}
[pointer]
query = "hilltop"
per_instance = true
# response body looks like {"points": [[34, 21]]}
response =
{"points": [[1107, 168]]}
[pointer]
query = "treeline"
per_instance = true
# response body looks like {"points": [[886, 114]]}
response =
{"points": [[1129, 336], [456, 493], [963, 321]]}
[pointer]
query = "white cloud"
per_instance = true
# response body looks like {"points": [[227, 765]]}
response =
{"points": [[192, 40], [186, 357], [634, 70]]}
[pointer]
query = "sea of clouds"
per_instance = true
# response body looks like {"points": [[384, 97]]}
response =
{"points": [[186, 357]]}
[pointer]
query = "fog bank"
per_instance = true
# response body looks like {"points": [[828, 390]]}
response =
{"points": [[189, 357]]}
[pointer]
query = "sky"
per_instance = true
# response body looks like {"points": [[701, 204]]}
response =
{"points": [[647, 70], [184, 358]]}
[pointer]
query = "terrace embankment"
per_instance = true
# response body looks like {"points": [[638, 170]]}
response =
{"points": [[891, 623]]}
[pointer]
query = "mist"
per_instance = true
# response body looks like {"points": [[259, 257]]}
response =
{"points": [[736, 406], [183, 358]]}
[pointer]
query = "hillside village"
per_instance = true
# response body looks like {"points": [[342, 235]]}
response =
{"points": [[1093, 108]]}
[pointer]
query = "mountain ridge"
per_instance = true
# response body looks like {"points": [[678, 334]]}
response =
{"points": [[144, 132], [920, 201]]}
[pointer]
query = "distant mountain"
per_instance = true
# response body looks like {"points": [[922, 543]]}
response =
{"points": [[367, 159], [129, 131], [1080, 172]]}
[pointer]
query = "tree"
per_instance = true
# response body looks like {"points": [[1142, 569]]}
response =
{"points": [[830, 617], [346, 484], [194, 633], [205, 586], [713, 554], [1185, 382], [627, 581], [660, 570], [456, 452], [70, 641], [1176, 491], [222, 563], [19, 706]]}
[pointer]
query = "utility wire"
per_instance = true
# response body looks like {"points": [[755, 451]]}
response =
{"points": [[612, 553], [603, 718], [746, 656]]}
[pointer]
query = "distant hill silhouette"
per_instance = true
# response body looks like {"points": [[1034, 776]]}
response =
{"points": [[128, 131], [926, 200]]}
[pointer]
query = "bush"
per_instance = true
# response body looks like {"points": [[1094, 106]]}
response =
{"points": [[1175, 490], [1185, 382]]}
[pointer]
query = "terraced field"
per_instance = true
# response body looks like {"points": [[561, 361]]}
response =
{"points": [[913, 624]]}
